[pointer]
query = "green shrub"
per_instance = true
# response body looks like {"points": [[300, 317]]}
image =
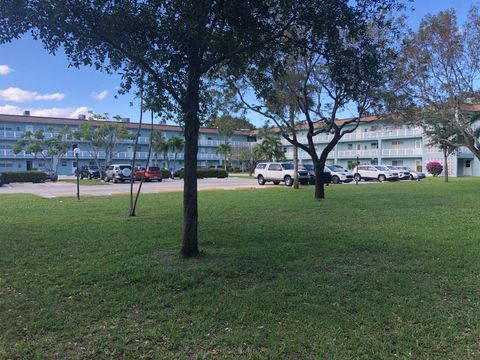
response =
{"points": [[22, 176], [206, 173], [165, 173]]}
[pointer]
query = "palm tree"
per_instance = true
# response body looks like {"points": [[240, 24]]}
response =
{"points": [[224, 149], [270, 148], [177, 144], [160, 145]]}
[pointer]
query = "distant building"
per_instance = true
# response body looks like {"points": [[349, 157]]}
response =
{"points": [[374, 142]]}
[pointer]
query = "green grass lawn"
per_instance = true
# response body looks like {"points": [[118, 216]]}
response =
{"points": [[377, 271]]}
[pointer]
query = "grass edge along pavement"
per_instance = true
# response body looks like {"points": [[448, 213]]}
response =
{"points": [[374, 271]]}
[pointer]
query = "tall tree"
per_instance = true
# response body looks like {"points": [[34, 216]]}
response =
{"points": [[226, 150], [177, 144], [339, 65], [160, 145], [441, 76], [103, 139], [180, 46], [50, 148]]}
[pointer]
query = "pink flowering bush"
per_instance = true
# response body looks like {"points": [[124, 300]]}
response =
{"points": [[434, 168]]}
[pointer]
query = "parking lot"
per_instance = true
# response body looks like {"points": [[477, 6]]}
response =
{"points": [[60, 188], [54, 189]]}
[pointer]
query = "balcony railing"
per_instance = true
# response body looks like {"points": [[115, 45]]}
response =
{"points": [[402, 152], [355, 153]]}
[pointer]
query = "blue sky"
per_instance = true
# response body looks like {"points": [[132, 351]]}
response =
{"points": [[32, 79]]}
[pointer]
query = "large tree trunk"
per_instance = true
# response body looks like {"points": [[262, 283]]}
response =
{"points": [[445, 162], [190, 202], [318, 166]]}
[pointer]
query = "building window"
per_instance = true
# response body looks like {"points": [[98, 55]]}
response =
{"points": [[397, 144], [397, 162], [64, 162], [374, 145], [349, 146], [74, 164], [6, 164], [418, 165], [418, 144], [359, 146]]}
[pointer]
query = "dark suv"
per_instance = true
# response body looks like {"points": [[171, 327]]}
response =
{"points": [[89, 172]]}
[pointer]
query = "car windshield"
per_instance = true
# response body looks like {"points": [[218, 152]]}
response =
{"points": [[381, 168], [287, 166], [309, 167], [125, 167], [336, 168], [94, 167], [153, 168]]}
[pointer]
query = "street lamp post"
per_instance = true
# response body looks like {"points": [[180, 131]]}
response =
{"points": [[76, 151]]}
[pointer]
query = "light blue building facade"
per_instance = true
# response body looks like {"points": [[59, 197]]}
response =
{"points": [[374, 142], [12, 128]]}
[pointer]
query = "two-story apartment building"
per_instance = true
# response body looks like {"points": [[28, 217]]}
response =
{"points": [[373, 142]]}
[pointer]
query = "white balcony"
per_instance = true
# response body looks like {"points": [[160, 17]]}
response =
{"points": [[402, 152], [360, 153]]}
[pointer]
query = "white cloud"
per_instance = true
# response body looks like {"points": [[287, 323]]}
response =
{"points": [[69, 112], [18, 95], [100, 95], [5, 69], [10, 109]]}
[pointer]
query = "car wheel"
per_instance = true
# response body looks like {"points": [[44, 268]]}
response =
{"points": [[159, 180], [288, 180], [411, 177], [381, 178], [106, 179], [357, 177], [115, 180], [261, 180], [276, 182], [335, 179]]}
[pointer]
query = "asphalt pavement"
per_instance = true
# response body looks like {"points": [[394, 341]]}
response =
{"points": [[56, 189]]}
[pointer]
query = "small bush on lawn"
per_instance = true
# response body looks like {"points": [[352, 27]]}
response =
{"points": [[434, 168], [23, 176], [206, 173]]}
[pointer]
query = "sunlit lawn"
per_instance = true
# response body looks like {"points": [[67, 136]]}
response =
{"points": [[377, 271]]}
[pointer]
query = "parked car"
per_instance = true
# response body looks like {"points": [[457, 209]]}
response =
{"points": [[88, 172], [339, 174], [402, 174], [327, 177], [50, 174], [374, 172], [150, 173], [279, 172], [118, 172], [414, 175]]}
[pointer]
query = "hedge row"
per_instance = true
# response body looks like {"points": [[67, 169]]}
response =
{"points": [[8, 177], [206, 173]]}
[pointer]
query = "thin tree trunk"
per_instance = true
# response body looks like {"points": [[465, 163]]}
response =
{"points": [[295, 164], [190, 195], [146, 166], [295, 149], [225, 161], [445, 161]]}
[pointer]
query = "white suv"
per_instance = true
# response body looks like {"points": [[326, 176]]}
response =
{"points": [[374, 172], [339, 174], [279, 172], [118, 172]]}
